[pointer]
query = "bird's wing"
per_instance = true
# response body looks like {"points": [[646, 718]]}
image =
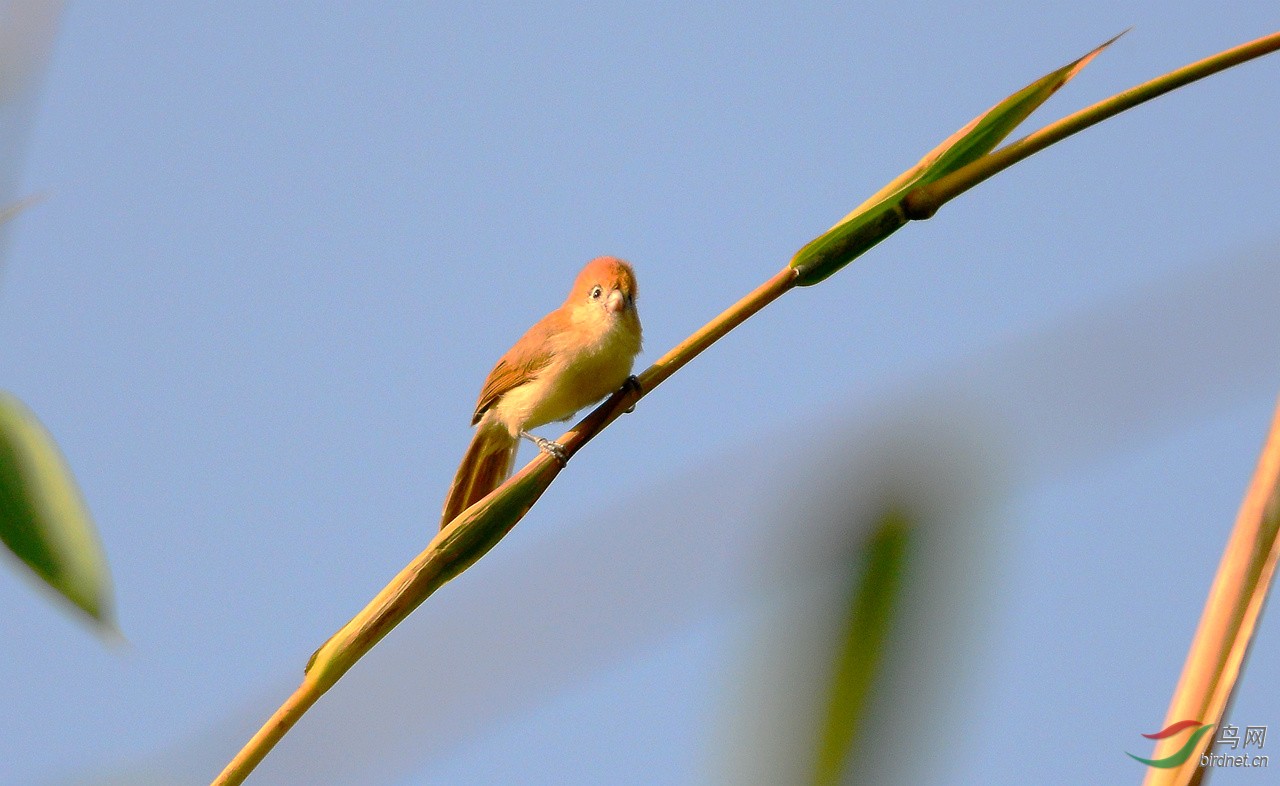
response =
{"points": [[532, 353]]}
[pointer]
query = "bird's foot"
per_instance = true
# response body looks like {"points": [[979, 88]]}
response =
{"points": [[632, 383], [556, 450]]}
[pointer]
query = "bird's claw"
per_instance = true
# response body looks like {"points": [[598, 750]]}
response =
{"points": [[632, 383], [556, 450]]}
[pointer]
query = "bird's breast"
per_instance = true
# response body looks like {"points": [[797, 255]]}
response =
{"points": [[576, 377]]}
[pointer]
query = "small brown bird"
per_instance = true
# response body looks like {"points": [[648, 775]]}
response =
{"points": [[571, 358]]}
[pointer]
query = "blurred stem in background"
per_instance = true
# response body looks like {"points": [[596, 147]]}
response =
{"points": [[1216, 659]]}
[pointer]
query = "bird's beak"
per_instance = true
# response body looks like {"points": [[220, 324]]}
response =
{"points": [[616, 302]]}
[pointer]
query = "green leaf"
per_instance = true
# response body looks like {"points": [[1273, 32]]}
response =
{"points": [[43, 519], [882, 214], [867, 627]]}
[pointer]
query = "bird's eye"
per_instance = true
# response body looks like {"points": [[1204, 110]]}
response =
{"points": [[596, 292]]}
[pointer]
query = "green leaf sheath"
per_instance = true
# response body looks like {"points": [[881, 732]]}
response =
{"points": [[882, 214]]}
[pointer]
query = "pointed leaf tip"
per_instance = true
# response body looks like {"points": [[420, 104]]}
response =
{"points": [[1079, 65], [43, 518], [981, 135]]}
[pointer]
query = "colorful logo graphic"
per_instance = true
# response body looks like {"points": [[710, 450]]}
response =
{"points": [[1183, 753]]}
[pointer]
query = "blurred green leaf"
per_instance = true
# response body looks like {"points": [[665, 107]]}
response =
{"points": [[882, 214], [857, 664], [43, 519]]}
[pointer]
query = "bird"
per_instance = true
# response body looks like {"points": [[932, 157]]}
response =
{"points": [[570, 359]]}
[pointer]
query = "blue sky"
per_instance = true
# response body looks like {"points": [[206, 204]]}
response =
{"points": [[282, 246]]}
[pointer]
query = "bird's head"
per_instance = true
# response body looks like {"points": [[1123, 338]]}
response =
{"points": [[605, 289]]}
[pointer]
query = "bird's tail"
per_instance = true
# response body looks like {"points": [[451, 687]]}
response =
{"points": [[485, 465]]}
